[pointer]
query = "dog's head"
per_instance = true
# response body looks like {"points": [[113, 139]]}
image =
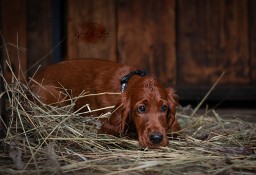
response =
{"points": [[148, 109]]}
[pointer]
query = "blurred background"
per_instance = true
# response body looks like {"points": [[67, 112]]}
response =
{"points": [[187, 44]]}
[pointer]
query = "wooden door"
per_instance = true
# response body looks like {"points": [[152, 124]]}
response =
{"points": [[14, 38], [187, 44], [91, 29], [137, 33], [146, 37], [214, 37]]}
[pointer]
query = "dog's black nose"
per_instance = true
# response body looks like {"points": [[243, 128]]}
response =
{"points": [[156, 138]]}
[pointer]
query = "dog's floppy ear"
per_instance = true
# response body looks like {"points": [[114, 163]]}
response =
{"points": [[115, 125], [172, 123]]}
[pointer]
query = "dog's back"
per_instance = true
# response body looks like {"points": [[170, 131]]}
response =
{"points": [[88, 75]]}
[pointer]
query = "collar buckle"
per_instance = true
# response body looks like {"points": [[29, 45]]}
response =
{"points": [[127, 77]]}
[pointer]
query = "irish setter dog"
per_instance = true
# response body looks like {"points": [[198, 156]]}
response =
{"points": [[144, 107]]}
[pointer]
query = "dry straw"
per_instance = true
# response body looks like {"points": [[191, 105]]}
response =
{"points": [[45, 139]]}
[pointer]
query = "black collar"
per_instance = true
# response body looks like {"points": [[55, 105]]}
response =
{"points": [[127, 77]]}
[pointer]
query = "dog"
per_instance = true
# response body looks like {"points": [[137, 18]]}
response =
{"points": [[144, 107]]}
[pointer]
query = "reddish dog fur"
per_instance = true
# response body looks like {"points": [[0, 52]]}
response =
{"points": [[145, 108]]}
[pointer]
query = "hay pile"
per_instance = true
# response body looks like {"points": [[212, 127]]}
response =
{"points": [[43, 139]]}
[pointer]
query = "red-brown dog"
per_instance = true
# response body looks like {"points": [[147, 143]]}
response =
{"points": [[144, 108]]}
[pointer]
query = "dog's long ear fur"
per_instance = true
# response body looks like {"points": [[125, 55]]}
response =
{"points": [[172, 123], [115, 125]]}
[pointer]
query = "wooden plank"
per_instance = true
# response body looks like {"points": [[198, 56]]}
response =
{"points": [[212, 38], [14, 25], [191, 40], [39, 34], [146, 37], [91, 29], [252, 23], [234, 41], [59, 26]]}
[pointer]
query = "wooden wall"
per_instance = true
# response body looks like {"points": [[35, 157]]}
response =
{"points": [[213, 38], [187, 44], [14, 36], [83, 16], [133, 31], [252, 39], [39, 34], [146, 37]]}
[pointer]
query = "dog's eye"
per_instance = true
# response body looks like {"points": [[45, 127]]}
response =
{"points": [[141, 109], [164, 108]]}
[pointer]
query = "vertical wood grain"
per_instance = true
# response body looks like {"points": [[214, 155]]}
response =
{"points": [[146, 36], [14, 31], [91, 11], [252, 36], [39, 34], [213, 38]]}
